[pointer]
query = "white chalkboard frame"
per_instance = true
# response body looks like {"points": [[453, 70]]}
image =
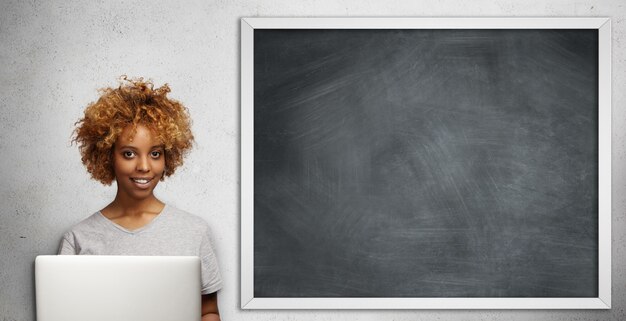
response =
{"points": [[248, 301]]}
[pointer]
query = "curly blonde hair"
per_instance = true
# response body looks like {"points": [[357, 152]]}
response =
{"points": [[134, 102]]}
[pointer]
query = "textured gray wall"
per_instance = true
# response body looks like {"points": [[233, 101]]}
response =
{"points": [[54, 54]]}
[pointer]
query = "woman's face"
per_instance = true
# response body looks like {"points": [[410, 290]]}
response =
{"points": [[138, 164]]}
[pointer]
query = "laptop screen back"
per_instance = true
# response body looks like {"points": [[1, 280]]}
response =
{"points": [[117, 288]]}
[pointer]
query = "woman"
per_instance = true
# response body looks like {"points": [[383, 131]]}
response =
{"points": [[136, 135]]}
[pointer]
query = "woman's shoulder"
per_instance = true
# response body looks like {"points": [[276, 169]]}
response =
{"points": [[86, 226], [186, 218]]}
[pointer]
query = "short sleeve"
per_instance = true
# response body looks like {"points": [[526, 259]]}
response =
{"points": [[211, 278], [67, 246]]}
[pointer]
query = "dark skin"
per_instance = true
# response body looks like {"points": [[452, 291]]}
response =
{"points": [[209, 307], [139, 164]]}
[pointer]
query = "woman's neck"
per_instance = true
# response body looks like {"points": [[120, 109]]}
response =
{"points": [[122, 206]]}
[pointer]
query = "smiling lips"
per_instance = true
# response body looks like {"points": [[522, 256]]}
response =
{"points": [[141, 182]]}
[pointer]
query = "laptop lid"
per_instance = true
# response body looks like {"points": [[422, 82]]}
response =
{"points": [[117, 288]]}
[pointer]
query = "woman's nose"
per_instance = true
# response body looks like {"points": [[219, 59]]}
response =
{"points": [[143, 165]]}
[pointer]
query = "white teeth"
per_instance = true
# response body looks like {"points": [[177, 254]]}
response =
{"points": [[141, 181]]}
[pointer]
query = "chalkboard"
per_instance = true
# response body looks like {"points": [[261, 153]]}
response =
{"points": [[426, 163]]}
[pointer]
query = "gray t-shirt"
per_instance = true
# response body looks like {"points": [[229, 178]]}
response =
{"points": [[171, 233]]}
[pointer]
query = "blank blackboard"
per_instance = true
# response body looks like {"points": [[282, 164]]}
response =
{"points": [[439, 163]]}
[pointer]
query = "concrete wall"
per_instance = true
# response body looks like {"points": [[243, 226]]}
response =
{"points": [[55, 54]]}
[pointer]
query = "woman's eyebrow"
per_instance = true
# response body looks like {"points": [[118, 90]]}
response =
{"points": [[133, 147]]}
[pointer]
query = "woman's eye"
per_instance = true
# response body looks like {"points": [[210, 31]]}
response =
{"points": [[128, 154], [156, 154]]}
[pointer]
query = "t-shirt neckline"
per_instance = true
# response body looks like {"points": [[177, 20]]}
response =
{"points": [[138, 230]]}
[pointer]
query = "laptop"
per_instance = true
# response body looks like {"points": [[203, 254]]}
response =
{"points": [[117, 288]]}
